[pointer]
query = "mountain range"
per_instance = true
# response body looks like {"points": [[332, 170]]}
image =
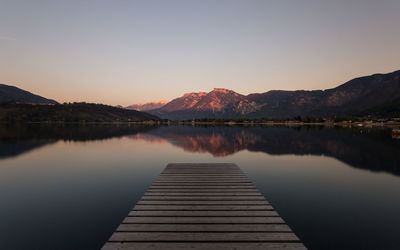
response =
{"points": [[147, 106], [377, 95], [355, 97]]}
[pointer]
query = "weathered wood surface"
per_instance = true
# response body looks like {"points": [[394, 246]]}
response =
{"points": [[203, 206]]}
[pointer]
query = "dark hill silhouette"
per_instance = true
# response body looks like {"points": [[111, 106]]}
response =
{"points": [[13, 94], [72, 112]]}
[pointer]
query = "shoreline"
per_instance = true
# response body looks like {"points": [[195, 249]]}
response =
{"points": [[392, 124]]}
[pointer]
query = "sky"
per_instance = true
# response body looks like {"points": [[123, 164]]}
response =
{"points": [[126, 52]]}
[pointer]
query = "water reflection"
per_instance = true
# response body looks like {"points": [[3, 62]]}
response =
{"points": [[373, 149], [69, 186], [16, 139]]}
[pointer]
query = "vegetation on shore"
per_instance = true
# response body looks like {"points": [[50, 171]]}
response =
{"points": [[339, 120], [69, 112], [98, 113]]}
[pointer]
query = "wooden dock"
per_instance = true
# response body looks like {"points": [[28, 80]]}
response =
{"points": [[203, 206]]}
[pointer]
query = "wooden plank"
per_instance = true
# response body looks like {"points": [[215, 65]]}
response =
{"points": [[204, 187], [203, 172], [204, 198], [241, 176], [204, 246], [183, 213], [203, 228], [197, 166], [205, 180], [200, 178], [165, 190], [201, 182], [200, 189], [204, 169], [203, 190], [203, 207], [203, 236], [204, 220], [201, 165], [202, 203], [201, 169], [197, 183], [203, 194]]}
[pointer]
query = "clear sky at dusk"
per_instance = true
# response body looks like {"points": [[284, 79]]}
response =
{"points": [[125, 52]]}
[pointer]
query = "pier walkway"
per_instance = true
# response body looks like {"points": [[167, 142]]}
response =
{"points": [[203, 206]]}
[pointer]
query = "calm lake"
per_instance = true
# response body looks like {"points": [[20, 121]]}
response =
{"points": [[70, 186]]}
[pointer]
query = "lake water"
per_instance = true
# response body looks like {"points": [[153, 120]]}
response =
{"points": [[70, 186]]}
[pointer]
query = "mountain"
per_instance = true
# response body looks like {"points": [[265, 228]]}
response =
{"points": [[69, 112], [350, 98], [147, 106], [217, 103], [13, 94], [355, 97], [224, 101], [187, 101]]}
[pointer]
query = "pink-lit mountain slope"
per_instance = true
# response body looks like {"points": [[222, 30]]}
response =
{"points": [[147, 106], [357, 96]]}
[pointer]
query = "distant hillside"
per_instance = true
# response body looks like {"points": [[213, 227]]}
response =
{"points": [[147, 106], [10, 93], [388, 109], [74, 112], [373, 93], [351, 98]]}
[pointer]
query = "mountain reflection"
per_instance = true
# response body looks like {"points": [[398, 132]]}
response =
{"points": [[371, 149], [217, 141], [19, 139]]}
